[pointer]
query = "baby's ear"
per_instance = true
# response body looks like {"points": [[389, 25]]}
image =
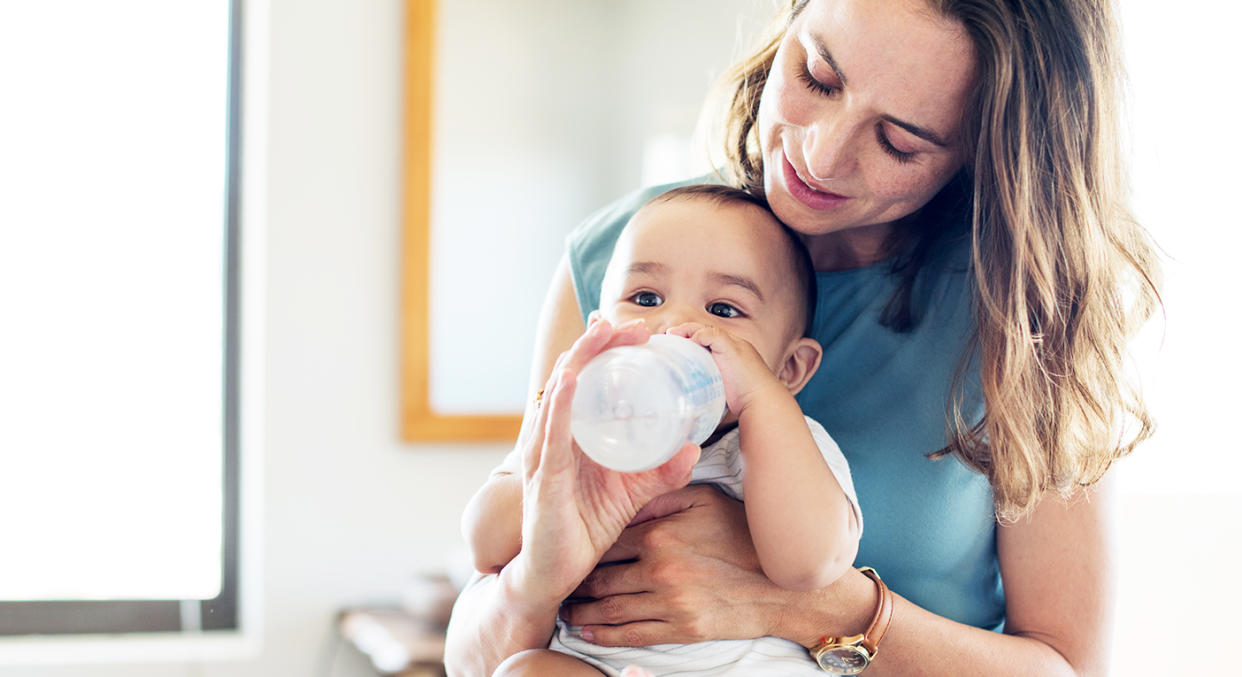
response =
{"points": [[801, 361]]}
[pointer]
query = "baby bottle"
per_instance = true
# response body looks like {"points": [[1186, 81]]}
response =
{"points": [[635, 406]]}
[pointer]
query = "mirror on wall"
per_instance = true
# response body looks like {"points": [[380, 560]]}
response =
{"points": [[521, 120]]}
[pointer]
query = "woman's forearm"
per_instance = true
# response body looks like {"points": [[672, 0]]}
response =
{"points": [[1057, 569], [920, 642], [572, 512], [489, 624]]}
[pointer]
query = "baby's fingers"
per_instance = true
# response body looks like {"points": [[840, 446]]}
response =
{"points": [[684, 330]]}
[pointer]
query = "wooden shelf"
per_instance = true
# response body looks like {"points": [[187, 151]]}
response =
{"points": [[396, 642]]}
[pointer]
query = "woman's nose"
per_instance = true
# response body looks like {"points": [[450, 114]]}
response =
{"points": [[828, 150]]}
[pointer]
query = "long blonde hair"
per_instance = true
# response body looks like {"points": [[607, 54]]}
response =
{"points": [[1062, 273]]}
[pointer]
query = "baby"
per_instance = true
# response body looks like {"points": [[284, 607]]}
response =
{"points": [[712, 264]]}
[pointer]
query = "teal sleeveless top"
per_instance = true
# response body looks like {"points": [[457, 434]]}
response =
{"points": [[883, 396]]}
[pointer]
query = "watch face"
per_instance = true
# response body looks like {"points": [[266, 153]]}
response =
{"points": [[844, 660]]}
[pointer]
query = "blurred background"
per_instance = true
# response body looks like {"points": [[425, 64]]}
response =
{"points": [[115, 266]]}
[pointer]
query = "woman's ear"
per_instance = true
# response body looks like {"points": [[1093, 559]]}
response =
{"points": [[801, 361]]}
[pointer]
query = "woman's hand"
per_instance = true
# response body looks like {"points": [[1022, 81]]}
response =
{"points": [[573, 508], [685, 571]]}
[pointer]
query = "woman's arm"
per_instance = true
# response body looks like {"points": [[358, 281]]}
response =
{"points": [[572, 511], [492, 521], [1057, 568], [491, 619], [701, 580]]}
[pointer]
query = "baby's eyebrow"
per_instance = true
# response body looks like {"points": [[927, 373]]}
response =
{"points": [[647, 267], [739, 281]]}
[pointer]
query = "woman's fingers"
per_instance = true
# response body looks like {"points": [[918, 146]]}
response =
{"points": [[676, 472], [534, 435], [583, 350], [617, 579], [691, 573], [557, 455], [659, 507], [641, 633], [598, 337], [590, 344], [613, 610]]}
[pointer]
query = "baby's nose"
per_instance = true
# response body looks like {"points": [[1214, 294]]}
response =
{"points": [[671, 317]]}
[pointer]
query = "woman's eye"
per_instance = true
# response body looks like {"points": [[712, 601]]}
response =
{"points": [[804, 74], [894, 152], [646, 298], [723, 310]]}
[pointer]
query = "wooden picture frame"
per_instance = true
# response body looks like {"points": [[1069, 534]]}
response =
{"points": [[419, 420]]}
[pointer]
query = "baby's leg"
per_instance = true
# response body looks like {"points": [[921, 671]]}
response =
{"points": [[540, 662]]}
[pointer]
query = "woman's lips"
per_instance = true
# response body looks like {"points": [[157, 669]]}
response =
{"points": [[815, 199]]}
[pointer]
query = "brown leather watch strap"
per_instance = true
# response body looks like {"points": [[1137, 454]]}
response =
{"points": [[883, 614]]}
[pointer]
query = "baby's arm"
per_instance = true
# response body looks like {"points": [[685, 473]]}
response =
{"points": [[492, 522], [803, 525]]}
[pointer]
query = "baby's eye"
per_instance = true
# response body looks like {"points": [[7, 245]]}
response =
{"points": [[647, 298], [721, 309]]}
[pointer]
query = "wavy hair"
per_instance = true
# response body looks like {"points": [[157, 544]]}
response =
{"points": [[1063, 275]]}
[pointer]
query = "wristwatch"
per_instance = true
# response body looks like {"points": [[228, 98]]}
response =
{"points": [[852, 655]]}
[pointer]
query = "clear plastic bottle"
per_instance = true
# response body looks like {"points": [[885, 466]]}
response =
{"points": [[635, 406]]}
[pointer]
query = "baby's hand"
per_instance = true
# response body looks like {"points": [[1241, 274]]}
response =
{"points": [[744, 372]]}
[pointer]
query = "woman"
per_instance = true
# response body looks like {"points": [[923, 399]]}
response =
{"points": [[953, 166]]}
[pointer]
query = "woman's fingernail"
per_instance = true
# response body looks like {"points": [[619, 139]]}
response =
{"points": [[587, 635]]}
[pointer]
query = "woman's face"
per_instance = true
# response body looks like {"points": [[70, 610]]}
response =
{"points": [[860, 118]]}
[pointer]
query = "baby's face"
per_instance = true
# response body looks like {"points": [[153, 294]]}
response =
{"points": [[692, 259]]}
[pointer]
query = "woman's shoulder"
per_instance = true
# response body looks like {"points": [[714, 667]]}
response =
{"points": [[590, 245]]}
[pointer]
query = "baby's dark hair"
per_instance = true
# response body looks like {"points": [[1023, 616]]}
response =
{"points": [[799, 256]]}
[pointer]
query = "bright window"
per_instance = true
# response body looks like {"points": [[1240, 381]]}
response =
{"points": [[117, 252]]}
